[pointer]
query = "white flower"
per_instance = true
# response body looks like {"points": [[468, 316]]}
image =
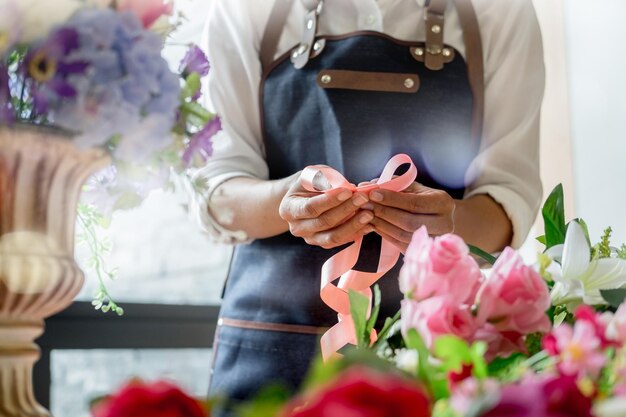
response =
{"points": [[406, 359], [580, 279], [36, 18], [613, 407]]}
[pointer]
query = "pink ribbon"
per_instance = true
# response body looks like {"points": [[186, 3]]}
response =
{"points": [[340, 265]]}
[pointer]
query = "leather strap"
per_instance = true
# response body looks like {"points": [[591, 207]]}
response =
{"points": [[273, 30], [434, 15], [271, 327], [303, 52], [474, 58], [388, 82]]}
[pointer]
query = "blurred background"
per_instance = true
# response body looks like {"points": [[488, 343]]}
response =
{"points": [[163, 259]]}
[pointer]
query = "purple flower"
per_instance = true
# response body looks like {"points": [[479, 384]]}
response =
{"points": [[6, 109], [50, 66], [194, 61], [201, 143]]}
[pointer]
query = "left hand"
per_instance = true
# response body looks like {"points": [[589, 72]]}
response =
{"points": [[398, 214]]}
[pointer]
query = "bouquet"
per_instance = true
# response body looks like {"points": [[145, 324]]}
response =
{"points": [[94, 68], [518, 340]]}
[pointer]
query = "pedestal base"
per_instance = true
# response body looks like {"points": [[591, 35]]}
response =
{"points": [[18, 354]]}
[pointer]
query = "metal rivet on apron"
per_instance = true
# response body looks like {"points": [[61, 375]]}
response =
{"points": [[446, 52], [309, 24], [418, 51], [409, 83], [326, 79], [436, 29], [299, 51], [220, 322]]}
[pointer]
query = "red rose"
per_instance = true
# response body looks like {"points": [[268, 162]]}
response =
{"points": [[362, 392], [160, 399], [542, 397]]}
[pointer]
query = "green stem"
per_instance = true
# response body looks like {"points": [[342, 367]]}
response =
{"points": [[482, 254]]}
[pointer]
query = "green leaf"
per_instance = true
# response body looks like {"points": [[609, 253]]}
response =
{"points": [[389, 322], [560, 318], [482, 254], [359, 304], [541, 239], [553, 213], [191, 87], [196, 114], [267, 403], [371, 322], [453, 352], [477, 353], [614, 297]]}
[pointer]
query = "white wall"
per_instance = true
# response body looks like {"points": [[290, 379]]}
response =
{"points": [[596, 32]]}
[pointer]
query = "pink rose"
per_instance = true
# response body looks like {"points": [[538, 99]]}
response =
{"points": [[515, 297], [148, 11], [439, 266], [499, 343], [437, 316]]}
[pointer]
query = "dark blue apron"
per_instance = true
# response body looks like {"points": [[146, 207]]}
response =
{"points": [[350, 102]]}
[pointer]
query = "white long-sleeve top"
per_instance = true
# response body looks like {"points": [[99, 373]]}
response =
{"points": [[508, 163]]}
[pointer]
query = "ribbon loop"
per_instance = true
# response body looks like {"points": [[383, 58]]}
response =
{"points": [[340, 265]]}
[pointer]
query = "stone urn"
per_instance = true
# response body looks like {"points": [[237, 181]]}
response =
{"points": [[41, 174]]}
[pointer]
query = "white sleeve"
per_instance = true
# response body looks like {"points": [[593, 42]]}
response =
{"points": [[232, 38], [507, 167]]}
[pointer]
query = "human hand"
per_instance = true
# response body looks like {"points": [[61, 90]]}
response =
{"points": [[398, 214], [327, 219]]}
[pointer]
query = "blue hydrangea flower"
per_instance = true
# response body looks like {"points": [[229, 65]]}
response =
{"points": [[128, 91]]}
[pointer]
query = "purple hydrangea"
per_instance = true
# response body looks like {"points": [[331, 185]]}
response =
{"points": [[128, 90]]}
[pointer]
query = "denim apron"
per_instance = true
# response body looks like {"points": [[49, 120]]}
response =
{"points": [[350, 102]]}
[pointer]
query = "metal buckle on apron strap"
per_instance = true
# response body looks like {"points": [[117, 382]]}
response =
{"points": [[303, 52], [272, 327]]}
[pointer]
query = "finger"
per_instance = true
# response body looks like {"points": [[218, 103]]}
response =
{"points": [[402, 246], [330, 219], [300, 205], [391, 230], [437, 224], [418, 199], [343, 234]]}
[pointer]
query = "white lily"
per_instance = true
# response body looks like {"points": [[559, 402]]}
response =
{"points": [[579, 279]]}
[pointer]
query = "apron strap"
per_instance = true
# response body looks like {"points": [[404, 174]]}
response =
{"points": [[474, 57], [434, 16], [301, 55], [273, 30]]}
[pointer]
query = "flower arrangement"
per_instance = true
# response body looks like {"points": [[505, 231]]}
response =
{"points": [[518, 340], [94, 69]]}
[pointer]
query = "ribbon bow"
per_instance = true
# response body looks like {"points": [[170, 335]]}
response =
{"points": [[340, 265]]}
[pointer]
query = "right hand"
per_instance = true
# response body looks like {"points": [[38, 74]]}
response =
{"points": [[328, 219]]}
